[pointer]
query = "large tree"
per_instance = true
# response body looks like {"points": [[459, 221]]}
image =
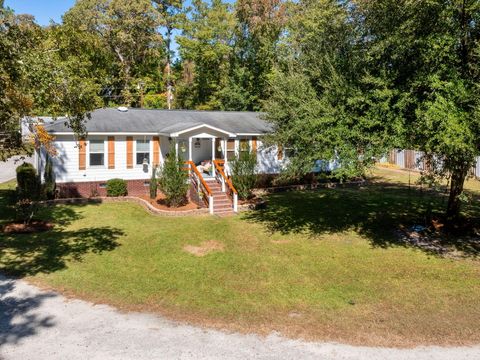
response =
{"points": [[360, 76], [171, 12], [430, 51], [260, 24], [129, 30], [17, 36], [324, 103], [206, 51]]}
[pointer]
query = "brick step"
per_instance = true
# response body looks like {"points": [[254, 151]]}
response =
{"points": [[222, 208], [221, 200]]}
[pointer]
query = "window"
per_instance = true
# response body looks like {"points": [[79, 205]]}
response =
{"points": [[230, 149], [143, 151], [97, 153]]}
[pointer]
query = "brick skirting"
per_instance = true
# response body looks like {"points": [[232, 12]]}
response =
{"points": [[89, 189]]}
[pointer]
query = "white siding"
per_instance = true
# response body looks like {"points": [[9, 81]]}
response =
{"points": [[67, 160], [267, 159]]}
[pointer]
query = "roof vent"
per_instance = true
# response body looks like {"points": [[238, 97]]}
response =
{"points": [[122, 109]]}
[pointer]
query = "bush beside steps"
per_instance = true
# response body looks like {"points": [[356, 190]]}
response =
{"points": [[117, 187]]}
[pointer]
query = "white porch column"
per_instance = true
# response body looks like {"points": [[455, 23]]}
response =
{"points": [[225, 144], [213, 156], [190, 148], [176, 146]]}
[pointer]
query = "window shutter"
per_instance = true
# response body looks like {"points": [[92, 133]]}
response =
{"points": [[280, 152], [254, 144], [82, 154], [129, 152], [111, 152], [156, 151]]}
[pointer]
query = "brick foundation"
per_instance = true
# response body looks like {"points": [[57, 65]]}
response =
{"points": [[90, 189]]}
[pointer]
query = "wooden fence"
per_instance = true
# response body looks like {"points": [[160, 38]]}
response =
{"points": [[415, 160]]}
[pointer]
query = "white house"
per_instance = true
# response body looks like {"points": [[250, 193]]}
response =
{"points": [[127, 143]]}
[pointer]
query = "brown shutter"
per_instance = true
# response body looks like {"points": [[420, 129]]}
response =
{"points": [[82, 154], [156, 151], [111, 152], [280, 152], [129, 152], [254, 144]]}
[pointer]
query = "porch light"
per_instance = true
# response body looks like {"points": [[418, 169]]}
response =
{"points": [[197, 144], [183, 148], [219, 148]]}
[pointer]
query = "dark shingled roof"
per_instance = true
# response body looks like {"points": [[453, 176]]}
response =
{"points": [[168, 121]]}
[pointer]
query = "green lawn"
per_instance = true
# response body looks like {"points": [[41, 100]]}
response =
{"points": [[320, 265]]}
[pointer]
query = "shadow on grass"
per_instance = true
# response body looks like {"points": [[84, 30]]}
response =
{"points": [[46, 252], [17, 313], [375, 211]]}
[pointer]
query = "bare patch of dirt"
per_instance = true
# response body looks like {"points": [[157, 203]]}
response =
{"points": [[32, 227], [285, 241], [204, 248]]}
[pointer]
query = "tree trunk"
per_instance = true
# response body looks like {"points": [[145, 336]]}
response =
{"points": [[456, 189]]}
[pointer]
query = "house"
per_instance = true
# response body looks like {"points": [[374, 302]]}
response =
{"points": [[126, 143]]}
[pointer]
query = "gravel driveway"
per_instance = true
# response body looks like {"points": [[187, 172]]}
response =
{"points": [[36, 324], [7, 168]]}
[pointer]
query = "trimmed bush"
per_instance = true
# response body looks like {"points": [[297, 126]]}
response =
{"points": [[243, 172], [173, 179], [116, 187], [49, 180], [28, 184], [153, 183]]}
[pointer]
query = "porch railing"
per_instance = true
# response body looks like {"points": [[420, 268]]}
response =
{"points": [[202, 188], [227, 186]]}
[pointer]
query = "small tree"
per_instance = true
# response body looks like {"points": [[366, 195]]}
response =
{"points": [[28, 184], [153, 183], [243, 171], [49, 179], [173, 179]]}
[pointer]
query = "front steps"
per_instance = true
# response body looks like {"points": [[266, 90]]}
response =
{"points": [[222, 205]]}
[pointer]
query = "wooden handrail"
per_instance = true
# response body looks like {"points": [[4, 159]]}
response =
{"points": [[194, 167], [220, 170]]}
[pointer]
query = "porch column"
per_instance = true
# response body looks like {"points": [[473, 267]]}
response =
{"points": [[176, 146], [213, 156], [190, 148], [225, 142]]}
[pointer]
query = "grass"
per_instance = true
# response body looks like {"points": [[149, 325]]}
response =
{"points": [[318, 265]]}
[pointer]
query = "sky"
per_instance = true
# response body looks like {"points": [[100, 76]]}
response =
{"points": [[43, 10]]}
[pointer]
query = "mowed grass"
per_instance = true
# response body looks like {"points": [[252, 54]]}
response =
{"points": [[319, 265]]}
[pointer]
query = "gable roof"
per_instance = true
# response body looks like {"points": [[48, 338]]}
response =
{"points": [[169, 122]]}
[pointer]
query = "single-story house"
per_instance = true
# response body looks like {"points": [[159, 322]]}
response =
{"points": [[126, 143]]}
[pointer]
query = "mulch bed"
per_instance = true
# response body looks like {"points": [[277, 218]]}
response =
{"points": [[159, 203], [32, 227]]}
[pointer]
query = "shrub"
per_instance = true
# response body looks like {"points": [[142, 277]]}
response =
{"points": [[153, 183], [242, 168], [28, 182], [49, 179], [116, 187], [25, 209], [173, 179]]}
